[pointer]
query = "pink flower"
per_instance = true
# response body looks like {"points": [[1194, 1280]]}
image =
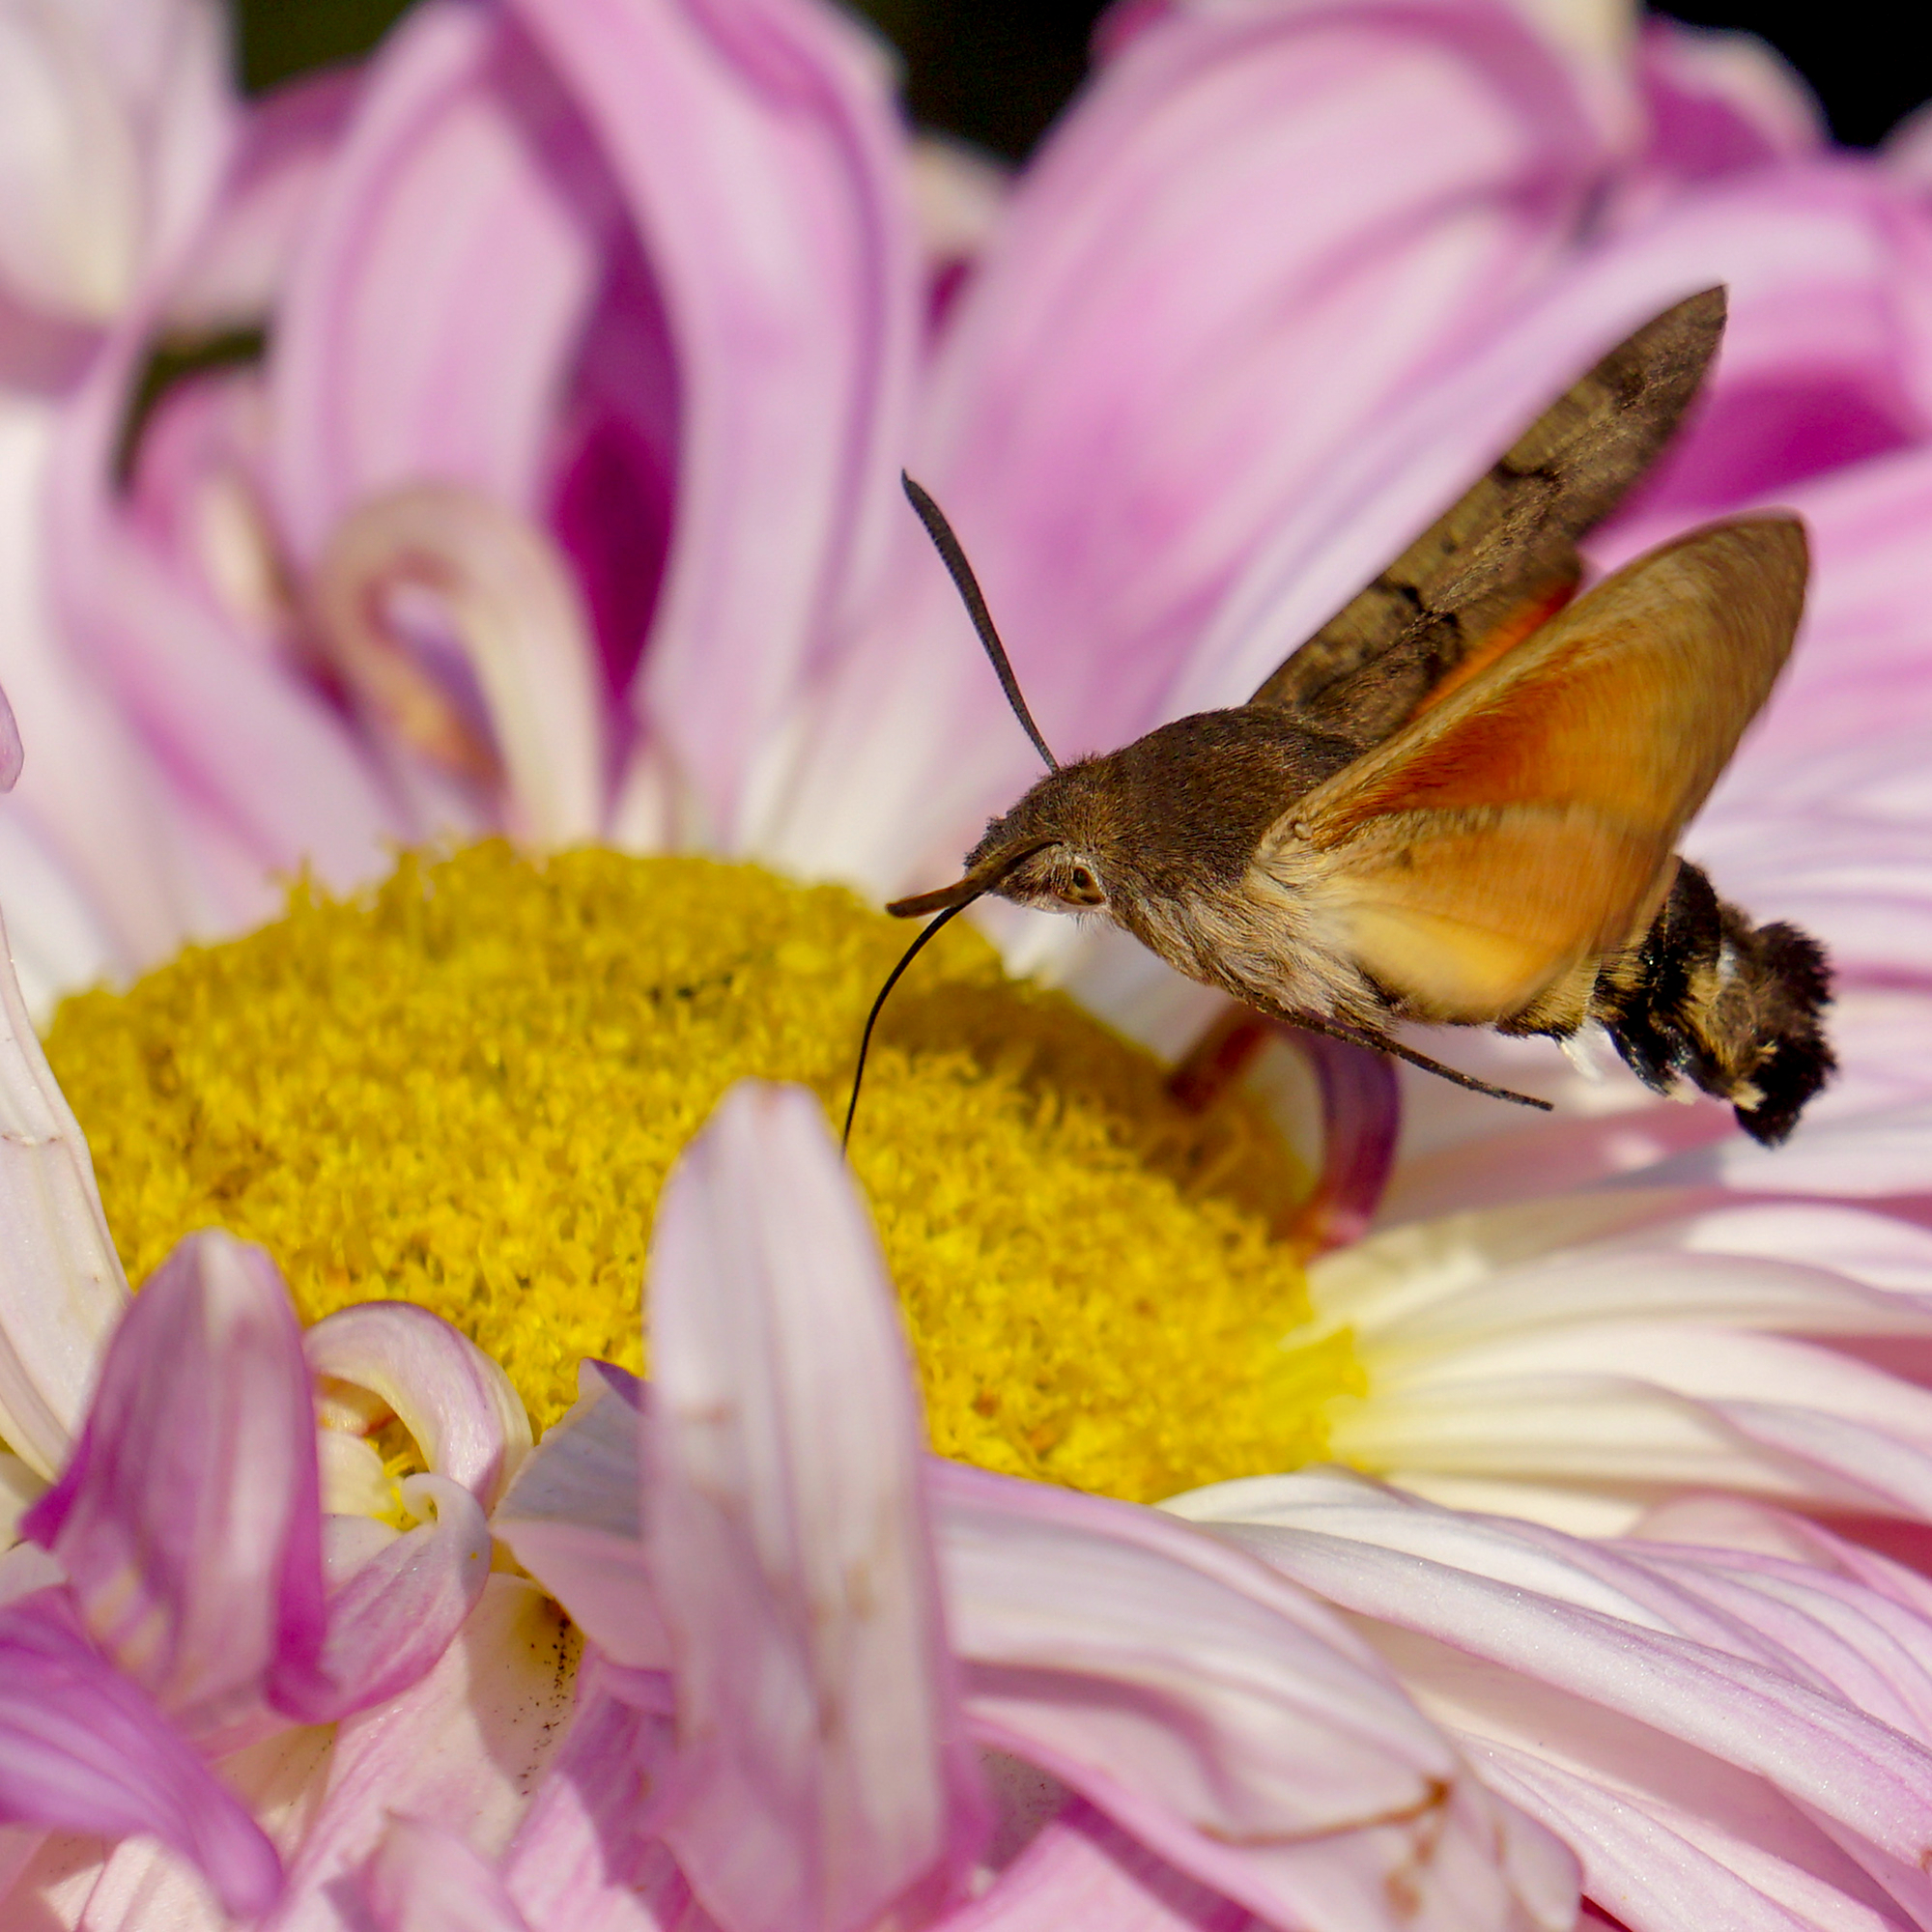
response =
{"points": [[563, 499]]}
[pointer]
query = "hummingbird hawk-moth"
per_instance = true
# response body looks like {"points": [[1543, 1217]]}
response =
{"points": [[1458, 802]]}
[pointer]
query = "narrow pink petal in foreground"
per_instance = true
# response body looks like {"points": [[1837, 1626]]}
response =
{"points": [[85, 1750], [188, 1518], [823, 1775]]}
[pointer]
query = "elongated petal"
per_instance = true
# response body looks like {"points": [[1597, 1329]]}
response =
{"points": [[452, 1398], [188, 1518], [823, 1770], [759, 154], [1083, 1873], [84, 1748], [425, 1878], [1422, 1570], [1235, 1728], [64, 1287], [259, 772], [446, 272]]}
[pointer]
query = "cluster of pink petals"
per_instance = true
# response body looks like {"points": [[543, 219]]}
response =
{"points": [[181, 1604]]}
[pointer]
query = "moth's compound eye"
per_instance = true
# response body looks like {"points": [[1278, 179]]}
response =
{"points": [[1082, 888]]}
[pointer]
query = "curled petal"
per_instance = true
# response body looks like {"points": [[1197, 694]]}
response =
{"points": [[64, 1288], [453, 1399], [505, 608], [85, 1750], [823, 1772], [189, 1518], [425, 1878], [398, 1612], [1361, 1117]]}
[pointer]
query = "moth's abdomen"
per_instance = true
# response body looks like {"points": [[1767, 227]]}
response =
{"points": [[1733, 1007]]}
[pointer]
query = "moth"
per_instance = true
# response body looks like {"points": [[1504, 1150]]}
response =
{"points": [[1458, 802]]}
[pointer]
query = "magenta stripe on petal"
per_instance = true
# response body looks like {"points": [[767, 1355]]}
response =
{"points": [[823, 1777], [84, 1749], [189, 1518], [759, 153]]}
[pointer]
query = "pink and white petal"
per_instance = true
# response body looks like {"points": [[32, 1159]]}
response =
{"points": [[425, 1878], [1428, 1572], [258, 772], [1119, 414], [447, 269], [85, 1750], [87, 872], [1878, 1250], [397, 1612], [823, 1774], [1235, 1728], [760, 154], [188, 1517], [455, 1400], [462, 1748], [235, 266], [574, 1520], [115, 140], [585, 1858], [1594, 1289], [64, 1291], [1659, 1865]]}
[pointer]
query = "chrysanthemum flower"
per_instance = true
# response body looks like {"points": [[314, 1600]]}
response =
{"points": [[562, 501]]}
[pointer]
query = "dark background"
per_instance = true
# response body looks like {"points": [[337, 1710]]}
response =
{"points": [[997, 71]]}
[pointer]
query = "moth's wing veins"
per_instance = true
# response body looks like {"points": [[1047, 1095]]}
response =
{"points": [[1525, 823], [1509, 542]]}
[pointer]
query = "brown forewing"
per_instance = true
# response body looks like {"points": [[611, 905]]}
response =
{"points": [[1527, 821], [1507, 550]]}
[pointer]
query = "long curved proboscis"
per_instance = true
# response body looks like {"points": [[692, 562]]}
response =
{"points": [[892, 979], [953, 556]]}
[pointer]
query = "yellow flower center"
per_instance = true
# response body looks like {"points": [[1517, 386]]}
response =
{"points": [[466, 1086]]}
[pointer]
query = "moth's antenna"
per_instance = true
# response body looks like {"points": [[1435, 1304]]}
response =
{"points": [[892, 979], [968, 586]]}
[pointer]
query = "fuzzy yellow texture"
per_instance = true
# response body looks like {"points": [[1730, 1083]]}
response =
{"points": [[464, 1088]]}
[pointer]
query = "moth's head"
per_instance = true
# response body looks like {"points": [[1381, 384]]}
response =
{"points": [[1055, 849]]}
